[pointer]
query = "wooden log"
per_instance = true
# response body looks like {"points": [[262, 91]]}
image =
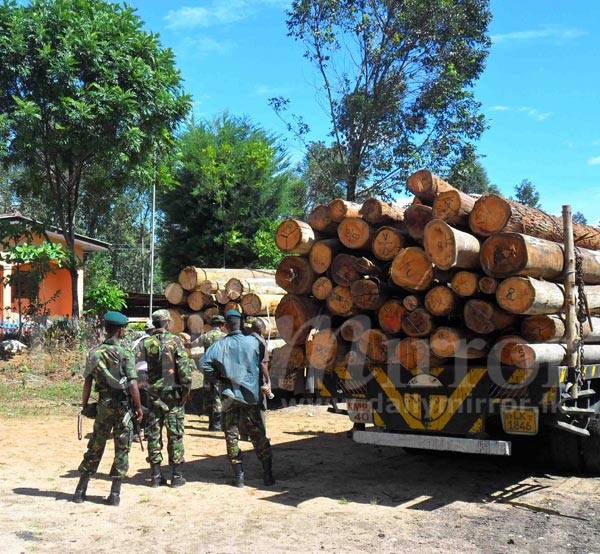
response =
{"points": [[295, 275], [343, 270], [221, 296], [426, 186], [526, 295], [324, 348], [412, 302], [531, 356], [322, 254], [190, 277], [352, 328], [320, 220], [288, 356], [209, 286], [368, 294], [197, 300], [454, 206], [390, 316], [412, 270], [340, 208], [194, 323], [295, 237], [487, 285], [387, 242], [464, 283], [270, 326], [177, 320], [175, 294], [236, 288], [414, 354], [484, 317], [447, 247], [295, 316], [260, 304], [378, 212], [210, 312], [507, 254], [442, 301], [366, 266], [453, 342], [418, 323], [501, 351], [550, 328], [339, 301], [356, 233], [373, 343], [494, 214], [416, 218], [322, 287]]}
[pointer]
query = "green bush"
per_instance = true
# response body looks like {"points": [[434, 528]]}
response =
{"points": [[102, 298]]}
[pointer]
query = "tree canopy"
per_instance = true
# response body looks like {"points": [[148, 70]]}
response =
{"points": [[468, 174], [526, 193], [395, 80]]}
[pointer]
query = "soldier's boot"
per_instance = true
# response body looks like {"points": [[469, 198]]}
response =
{"points": [[114, 498], [81, 489], [214, 422], [177, 480], [238, 475], [158, 479], [268, 478]]}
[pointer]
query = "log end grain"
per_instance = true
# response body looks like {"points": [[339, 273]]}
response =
{"points": [[439, 244], [490, 215], [412, 270]]}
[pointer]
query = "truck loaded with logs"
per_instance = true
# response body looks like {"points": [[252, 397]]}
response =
{"points": [[458, 322]]}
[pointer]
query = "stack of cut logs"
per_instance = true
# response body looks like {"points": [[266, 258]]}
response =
{"points": [[450, 276], [201, 293]]}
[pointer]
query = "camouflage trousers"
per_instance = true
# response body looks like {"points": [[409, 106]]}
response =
{"points": [[235, 413], [170, 415], [213, 398], [109, 420]]}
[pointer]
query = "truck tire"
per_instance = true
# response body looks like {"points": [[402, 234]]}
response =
{"points": [[591, 448], [565, 451]]}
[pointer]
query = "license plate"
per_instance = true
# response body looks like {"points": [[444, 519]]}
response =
{"points": [[359, 411], [520, 421]]}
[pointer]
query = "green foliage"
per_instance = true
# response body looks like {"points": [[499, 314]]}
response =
{"points": [[578, 217], [468, 174], [396, 78], [526, 194], [264, 247], [103, 297]]}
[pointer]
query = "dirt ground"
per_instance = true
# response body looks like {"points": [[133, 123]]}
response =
{"points": [[331, 496]]}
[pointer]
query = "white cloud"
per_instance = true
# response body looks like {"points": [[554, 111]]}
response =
{"points": [[500, 108], [532, 112], [207, 45], [594, 161], [556, 32]]}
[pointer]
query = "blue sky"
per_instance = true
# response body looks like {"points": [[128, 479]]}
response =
{"points": [[540, 90]]}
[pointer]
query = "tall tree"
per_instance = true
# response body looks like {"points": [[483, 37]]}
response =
{"points": [[579, 217], [84, 90], [468, 174], [526, 193], [396, 81], [233, 181]]}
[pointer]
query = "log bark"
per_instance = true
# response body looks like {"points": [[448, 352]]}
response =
{"points": [[352, 328], [418, 323], [507, 254], [526, 295], [412, 302], [356, 234], [551, 329], [260, 304], [447, 247], [454, 206], [413, 353], [487, 285], [340, 208], [412, 270], [464, 283], [288, 356], [210, 287], [416, 217], [295, 316], [378, 212], [494, 214], [390, 316], [368, 294], [387, 242], [325, 349], [195, 323], [442, 301], [373, 343], [175, 294], [295, 237], [322, 254], [190, 277], [295, 275], [530, 356], [236, 288], [484, 317], [339, 302], [320, 220], [322, 287], [197, 300], [453, 342], [426, 186], [177, 320], [343, 270]]}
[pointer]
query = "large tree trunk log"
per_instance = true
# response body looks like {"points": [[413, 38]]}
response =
{"points": [[373, 343], [177, 320], [322, 287], [195, 323], [175, 294], [416, 218], [221, 296], [356, 233], [413, 353], [322, 254], [366, 266], [320, 220], [454, 206], [412, 302], [190, 277], [210, 286], [295, 275], [487, 285], [368, 294], [324, 348], [418, 323], [426, 186], [507, 254], [210, 312], [288, 356], [451, 342], [343, 270], [294, 237], [340, 209], [260, 304], [339, 302], [447, 247], [442, 301], [551, 328], [530, 356], [352, 328], [270, 324], [484, 317], [525, 295], [387, 242], [390, 316], [235, 287], [295, 316], [412, 270], [378, 212], [493, 213], [464, 283], [197, 300]]}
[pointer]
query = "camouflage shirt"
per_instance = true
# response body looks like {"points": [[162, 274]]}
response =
{"points": [[206, 339], [169, 366], [108, 363]]}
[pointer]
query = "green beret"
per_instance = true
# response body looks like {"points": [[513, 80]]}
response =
{"points": [[233, 313], [161, 315], [115, 318], [216, 319]]}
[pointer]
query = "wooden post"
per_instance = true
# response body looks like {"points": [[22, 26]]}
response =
{"points": [[572, 357]]}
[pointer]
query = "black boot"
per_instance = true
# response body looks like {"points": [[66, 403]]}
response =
{"points": [[214, 422], [268, 478], [238, 475], [114, 498], [81, 489], [158, 479], [177, 480]]}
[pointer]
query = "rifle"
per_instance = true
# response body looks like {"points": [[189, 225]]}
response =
{"points": [[130, 416]]}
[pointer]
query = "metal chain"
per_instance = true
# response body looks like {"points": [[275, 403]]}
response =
{"points": [[582, 313]]}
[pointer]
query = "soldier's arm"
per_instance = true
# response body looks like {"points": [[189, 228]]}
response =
{"points": [[87, 391], [134, 391]]}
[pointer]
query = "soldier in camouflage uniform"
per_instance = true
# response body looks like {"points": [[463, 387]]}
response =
{"points": [[169, 384], [236, 361], [112, 368]]}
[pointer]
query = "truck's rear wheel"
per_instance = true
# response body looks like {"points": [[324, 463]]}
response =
{"points": [[565, 451], [591, 447]]}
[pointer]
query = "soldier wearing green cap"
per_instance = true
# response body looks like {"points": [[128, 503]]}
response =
{"points": [[169, 384], [111, 367]]}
